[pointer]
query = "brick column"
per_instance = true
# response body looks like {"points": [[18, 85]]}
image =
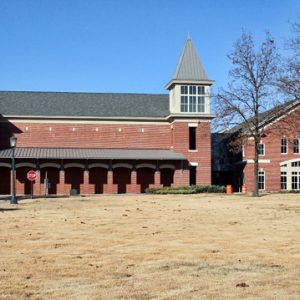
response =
{"points": [[156, 180], [37, 183], [110, 187], [18, 186], [85, 188], [61, 185], [133, 187]]}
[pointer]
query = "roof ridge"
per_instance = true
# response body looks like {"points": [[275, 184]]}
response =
{"points": [[88, 93]]}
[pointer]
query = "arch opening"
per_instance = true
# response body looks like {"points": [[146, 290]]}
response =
{"points": [[98, 177], [74, 177], [121, 177], [145, 177]]}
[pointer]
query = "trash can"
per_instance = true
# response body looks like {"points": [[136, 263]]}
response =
{"points": [[229, 189], [73, 192]]}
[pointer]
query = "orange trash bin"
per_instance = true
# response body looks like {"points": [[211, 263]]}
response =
{"points": [[229, 189]]}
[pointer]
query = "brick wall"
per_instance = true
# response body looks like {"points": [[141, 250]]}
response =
{"points": [[173, 136], [202, 155], [87, 135], [287, 127]]}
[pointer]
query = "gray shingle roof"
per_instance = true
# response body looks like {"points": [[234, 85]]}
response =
{"points": [[189, 66], [82, 153], [267, 116], [83, 104]]}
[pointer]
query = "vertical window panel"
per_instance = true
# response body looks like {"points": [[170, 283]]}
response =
{"points": [[261, 149], [184, 104], [192, 90], [201, 104], [295, 181], [296, 146], [192, 104], [184, 89], [201, 90], [283, 181], [192, 138], [261, 180], [284, 146]]}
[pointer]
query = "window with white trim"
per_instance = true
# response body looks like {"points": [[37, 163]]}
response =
{"points": [[184, 104], [296, 145], [295, 164], [261, 149], [192, 98], [192, 104], [284, 146], [261, 180], [192, 138], [283, 181], [201, 104], [295, 180]]}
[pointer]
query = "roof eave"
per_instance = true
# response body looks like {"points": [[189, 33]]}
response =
{"points": [[91, 118], [172, 82], [192, 116]]}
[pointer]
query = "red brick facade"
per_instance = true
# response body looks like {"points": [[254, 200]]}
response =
{"points": [[286, 127], [128, 176]]}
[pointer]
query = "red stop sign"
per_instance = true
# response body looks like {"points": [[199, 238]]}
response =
{"points": [[31, 175]]}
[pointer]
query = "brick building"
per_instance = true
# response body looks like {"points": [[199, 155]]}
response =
{"points": [[110, 143], [279, 153]]}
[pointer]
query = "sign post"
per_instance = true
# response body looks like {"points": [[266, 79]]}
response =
{"points": [[31, 176]]}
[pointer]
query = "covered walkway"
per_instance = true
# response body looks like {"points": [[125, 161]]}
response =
{"points": [[92, 171]]}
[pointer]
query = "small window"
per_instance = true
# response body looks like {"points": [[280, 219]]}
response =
{"points": [[193, 176], [284, 146], [201, 104], [184, 104], [261, 149], [184, 89], [261, 180], [296, 146], [201, 90], [192, 138], [192, 90], [283, 181], [295, 164]]}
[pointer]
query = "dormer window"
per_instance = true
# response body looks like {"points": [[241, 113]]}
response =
{"points": [[192, 98]]}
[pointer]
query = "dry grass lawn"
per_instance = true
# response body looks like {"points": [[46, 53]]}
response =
{"points": [[151, 247]]}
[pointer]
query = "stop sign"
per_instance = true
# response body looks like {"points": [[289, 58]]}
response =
{"points": [[31, 175]]}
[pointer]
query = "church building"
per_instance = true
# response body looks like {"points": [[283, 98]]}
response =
{"points": [[94, 143]]}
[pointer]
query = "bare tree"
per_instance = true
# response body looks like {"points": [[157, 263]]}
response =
{"points": [[247, 96], [289, 81]]}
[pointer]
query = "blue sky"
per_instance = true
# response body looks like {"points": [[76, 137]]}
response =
{"points": [[125, 45]]}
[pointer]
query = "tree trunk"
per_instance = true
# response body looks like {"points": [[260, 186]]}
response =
{"points": [[255, 190]]}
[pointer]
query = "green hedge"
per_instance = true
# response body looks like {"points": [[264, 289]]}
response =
{"points": [[194, 189]]}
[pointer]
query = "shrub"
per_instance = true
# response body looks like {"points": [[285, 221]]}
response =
{"points": [[194, 189]]}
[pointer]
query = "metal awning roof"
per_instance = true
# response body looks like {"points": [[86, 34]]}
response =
{"points": [[83, 153]]}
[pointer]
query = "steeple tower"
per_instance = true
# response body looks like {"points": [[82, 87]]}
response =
{"points": [[189, 87]]}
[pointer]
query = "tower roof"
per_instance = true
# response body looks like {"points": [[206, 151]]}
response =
{"points": [[189, 67]]}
